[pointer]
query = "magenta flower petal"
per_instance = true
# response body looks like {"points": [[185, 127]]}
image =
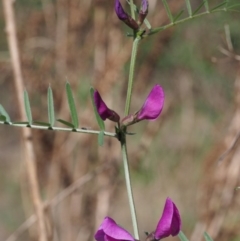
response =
{"points": [[110, 231], [170, 222], [153, 105], [103, 110]]}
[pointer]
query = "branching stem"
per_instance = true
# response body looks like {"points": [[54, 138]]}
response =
{"points": [[85, 131], [159, 29]]}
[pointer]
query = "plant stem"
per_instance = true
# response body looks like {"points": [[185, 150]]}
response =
{"points": [[131, 74], [41, 127], [123, 137], [132, 9], [129, 187]]}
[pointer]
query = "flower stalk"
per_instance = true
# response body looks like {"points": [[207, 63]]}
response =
{"points": [[131, 74], [123, 140], [129, 186]]}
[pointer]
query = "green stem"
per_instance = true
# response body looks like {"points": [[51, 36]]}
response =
{"points": [[58, 129], [132, 9], [131, 74], [129, 187]]}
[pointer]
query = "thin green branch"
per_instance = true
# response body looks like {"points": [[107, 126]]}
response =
{"points": [[132, 9], [131, 74], [84, 131], [156, 30], [129, 187]]}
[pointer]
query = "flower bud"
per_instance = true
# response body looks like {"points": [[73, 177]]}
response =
{"points": [[122, 15], [143, 12]]}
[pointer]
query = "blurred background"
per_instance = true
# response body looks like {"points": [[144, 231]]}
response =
{"points": [[175, 156]]}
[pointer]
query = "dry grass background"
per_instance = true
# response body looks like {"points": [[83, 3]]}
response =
{"points": [[175, 156]]}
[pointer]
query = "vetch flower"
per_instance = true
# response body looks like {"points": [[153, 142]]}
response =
{"points": [[110, 231], [122, 15], [169, 223], [103, 110], [153, 105], [151, 108]]}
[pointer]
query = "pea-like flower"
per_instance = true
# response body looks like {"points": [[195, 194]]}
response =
{"points": [[103, 110], [169, 224], [151, 108], [153, 105], [109, 231]]}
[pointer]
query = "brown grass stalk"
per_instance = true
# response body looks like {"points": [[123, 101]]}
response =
{"points": [[29, 155]]}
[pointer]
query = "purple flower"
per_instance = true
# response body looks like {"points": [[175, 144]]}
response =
{"points": [[150, 110], [103, 110], [169, 223], [110, 231], [120, 11], [153, 105], [122, 15]]}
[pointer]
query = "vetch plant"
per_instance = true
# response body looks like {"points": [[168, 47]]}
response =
{"points": [[170, 221]]}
